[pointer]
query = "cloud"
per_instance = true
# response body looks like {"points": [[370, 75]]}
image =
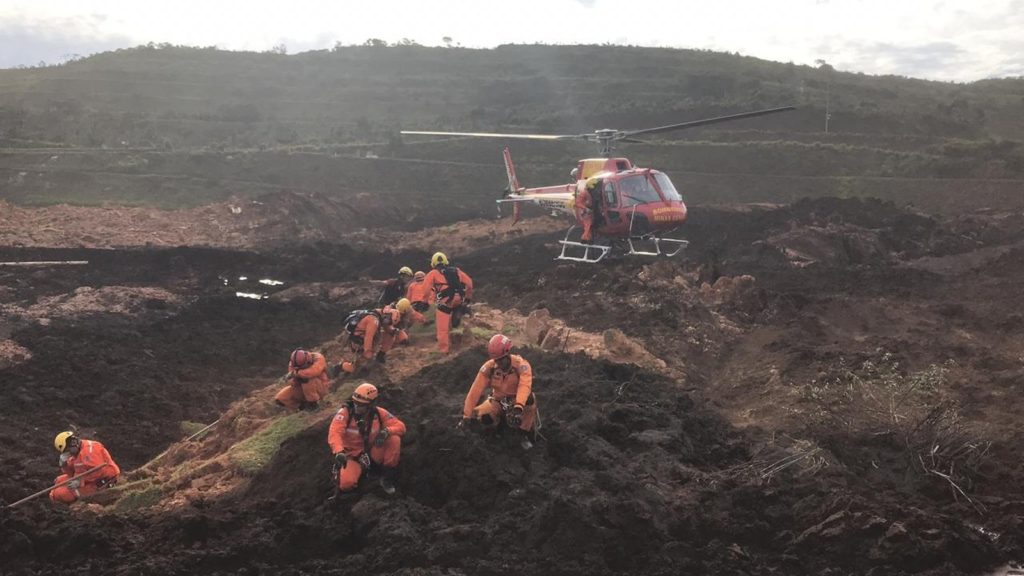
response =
{"points": [[28, 43]]}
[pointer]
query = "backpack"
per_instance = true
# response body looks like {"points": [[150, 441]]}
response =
{"points": [[354, 318], [454, 284]]}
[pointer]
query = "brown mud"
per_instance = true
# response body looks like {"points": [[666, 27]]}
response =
{"points": [[757, 450]]}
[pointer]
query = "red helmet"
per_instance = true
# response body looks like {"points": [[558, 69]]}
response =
{"points": [[499, 346], [365, 393], [302, 358]]}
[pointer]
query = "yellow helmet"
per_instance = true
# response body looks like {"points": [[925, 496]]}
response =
{"points": [[438, 258], [405, 271], [403, 305], [61, 441]]}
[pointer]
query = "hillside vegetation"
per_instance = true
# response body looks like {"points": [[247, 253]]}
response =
{"points": [[176, 126]]}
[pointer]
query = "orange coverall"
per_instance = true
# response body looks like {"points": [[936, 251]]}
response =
{"points": [[362, 342], [91, 454], [585, 211], [436, 284], [514, 386], [345, 436], [397, 334], [306, 385], [419, 295]]}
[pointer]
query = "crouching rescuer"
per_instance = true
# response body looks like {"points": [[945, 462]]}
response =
{"points": [[363, 438], [511, 401], [308, 381], [78, 456]]}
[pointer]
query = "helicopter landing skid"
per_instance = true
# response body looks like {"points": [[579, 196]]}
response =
{"points": [[666, 251], [592, 253]]}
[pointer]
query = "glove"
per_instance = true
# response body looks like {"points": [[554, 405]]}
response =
{"points": [[462, 424], [106, 482], [64, 458], [515, 417], [381, 437], [340, 460], [380, 357], [364, 459], [75, 484]]}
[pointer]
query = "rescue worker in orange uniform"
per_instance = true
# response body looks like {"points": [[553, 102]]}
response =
{"points": [[384, 326], [399, 335], [585, 194], [308, 381], [395, 288], [511, 400], [418, 293], [453, 290], [76, 457], [364, 436]]}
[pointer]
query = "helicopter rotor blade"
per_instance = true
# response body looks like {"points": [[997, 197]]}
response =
{"points": [[704, 122], [496, 135]]}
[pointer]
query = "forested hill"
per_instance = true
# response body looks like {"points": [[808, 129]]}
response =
{"points": [[174, 126], [173, 96]]}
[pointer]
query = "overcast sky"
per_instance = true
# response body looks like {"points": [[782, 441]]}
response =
{"points": [[959, 40]]}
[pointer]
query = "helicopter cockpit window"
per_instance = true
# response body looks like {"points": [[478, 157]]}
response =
{"points": [[667, 189], [609, 194], [637, 189]]}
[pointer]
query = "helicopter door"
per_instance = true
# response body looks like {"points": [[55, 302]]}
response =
{"points": [[605, 199]]}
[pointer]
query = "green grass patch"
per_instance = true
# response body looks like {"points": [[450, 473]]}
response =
{"points": [[482, 332], [141, 495], [189, 428], [255, 452]]}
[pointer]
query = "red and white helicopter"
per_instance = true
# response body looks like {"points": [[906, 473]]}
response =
{"points": [[613, 199]]}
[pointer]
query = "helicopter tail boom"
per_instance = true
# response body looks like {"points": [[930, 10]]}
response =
{"points": [[513, 183]]}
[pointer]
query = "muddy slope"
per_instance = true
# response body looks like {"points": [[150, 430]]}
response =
{"points": [[633, 477]]}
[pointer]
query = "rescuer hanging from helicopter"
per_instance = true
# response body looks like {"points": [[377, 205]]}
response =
{"points": [[585, 207]]}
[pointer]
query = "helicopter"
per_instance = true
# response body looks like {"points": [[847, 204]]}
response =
{"points": [[611, 199]]}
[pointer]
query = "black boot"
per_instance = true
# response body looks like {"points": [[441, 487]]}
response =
{"points": [[388, 476]]}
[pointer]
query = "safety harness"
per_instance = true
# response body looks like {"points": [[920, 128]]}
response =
{"points": [[352, 323], [453, 287]]}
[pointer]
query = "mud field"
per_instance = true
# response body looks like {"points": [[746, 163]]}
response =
{"points": [[836, 391]]}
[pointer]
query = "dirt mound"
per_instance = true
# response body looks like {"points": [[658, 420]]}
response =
{"points": [[632, 477], [270, 219], [107, 299]]}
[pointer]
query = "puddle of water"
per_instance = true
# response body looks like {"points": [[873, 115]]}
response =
{"points": [[270, 282], [251, 295], [242, 278]]}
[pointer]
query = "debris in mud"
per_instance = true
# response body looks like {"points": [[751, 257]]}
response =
{"points": [[12, 354], [106, 299]]}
